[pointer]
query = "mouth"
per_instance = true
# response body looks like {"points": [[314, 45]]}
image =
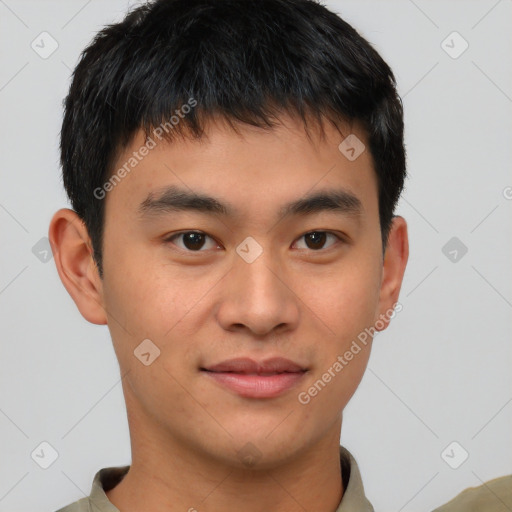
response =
{"points": [[249, 379], [246, 365], [263, 374]]}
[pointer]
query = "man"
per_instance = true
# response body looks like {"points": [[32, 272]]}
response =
{"points": [[233, 168]]}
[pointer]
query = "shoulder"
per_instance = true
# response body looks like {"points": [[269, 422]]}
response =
{"points": [[104, 480], [492, 496], [82, 505]]}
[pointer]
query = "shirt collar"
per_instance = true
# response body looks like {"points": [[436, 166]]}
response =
{"points": [[354, 499]]}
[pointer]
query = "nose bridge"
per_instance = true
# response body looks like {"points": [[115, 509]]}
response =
{"points": [[260, 278]]}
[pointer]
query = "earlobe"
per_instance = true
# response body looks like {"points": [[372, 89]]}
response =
{"points": [[395, 261], [78, 272]]}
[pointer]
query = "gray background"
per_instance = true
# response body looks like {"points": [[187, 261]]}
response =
{"points": [[440, 373]]}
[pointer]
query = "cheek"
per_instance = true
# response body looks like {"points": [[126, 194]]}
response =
{"points": [[343, 301], [137, 292], [157, 303], [342, 306]]}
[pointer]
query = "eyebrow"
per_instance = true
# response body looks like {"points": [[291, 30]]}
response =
{"points": [[174, 199]]}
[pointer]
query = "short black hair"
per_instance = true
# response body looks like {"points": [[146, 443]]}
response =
{"points": [[247, 61]]}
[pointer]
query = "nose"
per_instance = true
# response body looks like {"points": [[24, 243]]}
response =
{"points": [[258, 297]]}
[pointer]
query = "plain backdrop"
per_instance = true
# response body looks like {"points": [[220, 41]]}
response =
{"points": [[440, 374]]}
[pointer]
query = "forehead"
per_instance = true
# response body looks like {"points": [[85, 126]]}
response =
{"points": [[255, 170]]}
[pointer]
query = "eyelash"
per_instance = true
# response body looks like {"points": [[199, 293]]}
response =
{"points": [[176, 235]]}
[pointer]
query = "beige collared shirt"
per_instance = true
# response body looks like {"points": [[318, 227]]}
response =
{"points": [[354, 499], [492, 496]]}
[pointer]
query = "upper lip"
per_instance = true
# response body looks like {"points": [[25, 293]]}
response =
{"points": [[247, 365]]}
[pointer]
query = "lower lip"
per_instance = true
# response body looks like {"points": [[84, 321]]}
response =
{"points": [[257, 386]]}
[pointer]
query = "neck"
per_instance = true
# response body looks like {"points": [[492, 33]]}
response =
{"points": [[169, 475]]}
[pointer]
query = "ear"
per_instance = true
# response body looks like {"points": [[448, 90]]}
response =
{"points": [[77, 269], [395, 261]]}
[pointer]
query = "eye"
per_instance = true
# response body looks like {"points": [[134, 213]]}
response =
{"points": [[192, 241], [315, 240], [197, 241]]}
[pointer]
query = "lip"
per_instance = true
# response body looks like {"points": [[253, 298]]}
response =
{"points": [[252, 379], [248, 365]]}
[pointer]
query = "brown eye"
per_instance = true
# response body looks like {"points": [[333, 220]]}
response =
{"points": [[315, 240], [191, 240]]}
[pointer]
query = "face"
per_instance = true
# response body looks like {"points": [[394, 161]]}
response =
{"points": [[240, 277]]}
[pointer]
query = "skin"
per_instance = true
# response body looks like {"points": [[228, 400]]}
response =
{"points": [[202, 308]]}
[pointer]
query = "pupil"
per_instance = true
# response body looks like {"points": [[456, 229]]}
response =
{"points": [[191, 240], [318, 239]]}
